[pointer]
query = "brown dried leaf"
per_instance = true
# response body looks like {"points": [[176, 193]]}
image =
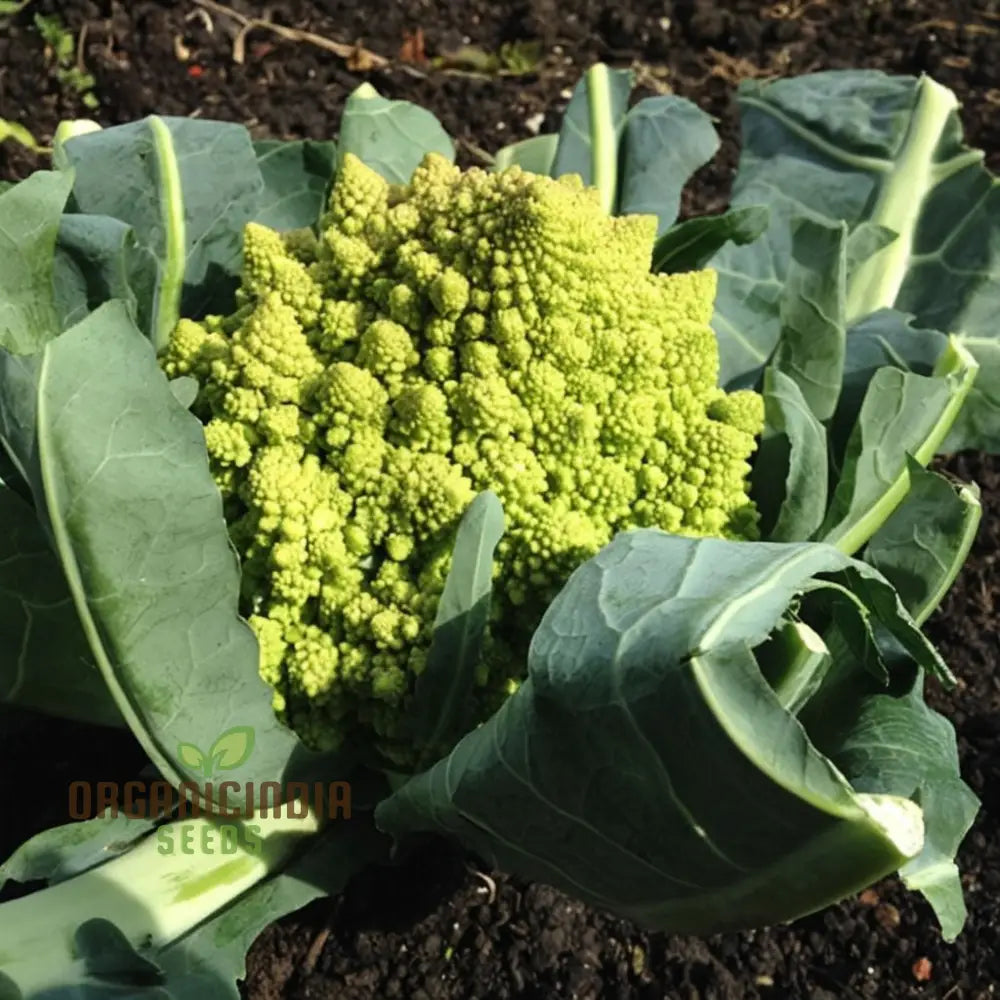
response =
{"points": [[412, 50]]}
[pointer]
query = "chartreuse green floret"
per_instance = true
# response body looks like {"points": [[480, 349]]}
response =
{"points": [[465, 332]]}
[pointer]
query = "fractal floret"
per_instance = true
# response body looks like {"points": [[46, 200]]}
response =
{"points": [[468, 331]]}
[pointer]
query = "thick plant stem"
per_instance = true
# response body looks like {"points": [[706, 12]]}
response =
{"points": [[877, 282], [804, 660], [604, 136], [179, 876], [168, 300]]}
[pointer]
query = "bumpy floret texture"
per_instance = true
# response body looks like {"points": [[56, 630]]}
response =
{"points": [[465, 332]]}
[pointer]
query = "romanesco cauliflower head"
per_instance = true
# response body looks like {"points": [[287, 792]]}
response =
{"points": [[465, 332]]}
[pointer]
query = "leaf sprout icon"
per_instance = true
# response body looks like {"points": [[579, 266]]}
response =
{"points": [[228, 752]]}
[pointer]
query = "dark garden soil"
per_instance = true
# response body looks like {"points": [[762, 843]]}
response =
{"points": [[437, 927]]}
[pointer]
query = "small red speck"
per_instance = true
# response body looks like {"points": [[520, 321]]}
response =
{"points": [[922, 970], [195, 71]]}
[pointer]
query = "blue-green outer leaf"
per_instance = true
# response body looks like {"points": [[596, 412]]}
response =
{"points": [[790, 478], [297, 177], [97, 259], [536, 155], [187, 188], [690, 245], [592, 777], [902, 414], [925, 542], [440, 706], [666, 140], [877, 151], [812, 343], [888, 738], [120, 468], [45, 661], [391, 137], [900, 744], [29, 225], [886, 338]]}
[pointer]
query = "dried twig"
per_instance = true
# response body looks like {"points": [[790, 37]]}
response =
{"points": [[355, 53], [732, 69], [315, 950], [81, 41], [784, 11], [942, 24], [489, 885], [200, 14], [484, 156], [652, 76]]}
